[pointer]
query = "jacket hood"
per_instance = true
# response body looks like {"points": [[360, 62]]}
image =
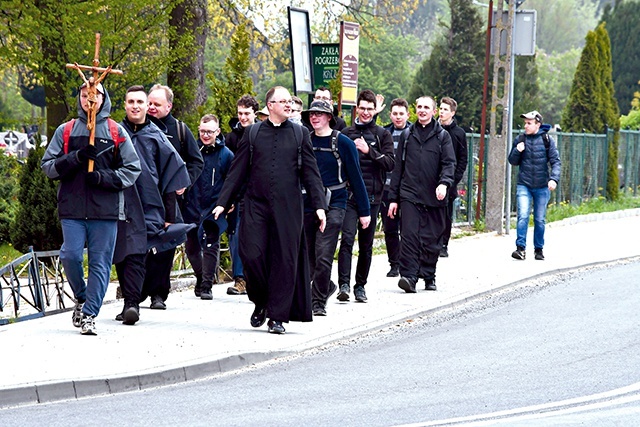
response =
{"points": [[544, 128], [103, 112], [234, 123]]}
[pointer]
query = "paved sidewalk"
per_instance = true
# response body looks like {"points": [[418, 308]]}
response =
{"points": [[47, 359]]}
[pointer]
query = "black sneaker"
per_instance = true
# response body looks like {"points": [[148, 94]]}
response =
{"points": [[407, 285], [275, 327], [130, 315], [430, 285], [539, 255], [343, 295], [258, 317], [393, 272], [361, 295], [319, 311], [444, 252], [206, 294], [157, 303], [519, 253]]}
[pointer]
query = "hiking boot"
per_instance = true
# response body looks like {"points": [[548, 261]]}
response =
{"points": [[361, 295], [519, 253], [76, 317], [157, 303], [206, 294], [444, 252], [130, 315], [393, 272], [539, 255], [239, 288], [343, 295], [88, 325], [408, 285]]}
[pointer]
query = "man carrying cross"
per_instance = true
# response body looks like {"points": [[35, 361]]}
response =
{"points": [[90, 202]]}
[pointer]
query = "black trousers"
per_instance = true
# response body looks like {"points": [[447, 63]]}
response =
{"points": [[204, 257], [391, 227], [131, 272], [157, 280], [350, 226], [446, 234], [421, 233], [321, 247]]}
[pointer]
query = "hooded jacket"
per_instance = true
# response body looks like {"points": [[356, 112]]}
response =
{"points": [[534, 160], [118, 169], [204, 193], [163, 172]]}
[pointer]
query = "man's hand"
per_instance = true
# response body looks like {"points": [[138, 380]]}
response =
{"points": [[393, 210], [93, 178], [361, 145], [380, 105], [365, 221], [520, 147], [90, 152], [441, 192], [552, 185], [323, 219], [217, 211], [180, 192]]}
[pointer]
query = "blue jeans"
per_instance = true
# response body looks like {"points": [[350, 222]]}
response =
{"points": [[540, 197], [100, 237], [234, 248]]}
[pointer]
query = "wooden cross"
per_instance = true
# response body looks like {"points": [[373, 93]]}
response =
{"points": [[92, 89]]}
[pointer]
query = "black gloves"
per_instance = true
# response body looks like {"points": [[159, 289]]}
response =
{"points": [[93, 178], [88, 152]]}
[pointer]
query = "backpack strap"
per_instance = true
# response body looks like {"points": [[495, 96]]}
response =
{"points": [[66, 134], [253, 133], [297, 131], [114, 130], [334, 149], [182, 132]]}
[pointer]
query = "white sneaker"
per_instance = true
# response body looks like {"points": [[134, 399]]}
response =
{"points": [[88, 325], [76, 317]]}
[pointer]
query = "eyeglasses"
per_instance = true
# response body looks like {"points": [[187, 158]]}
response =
{"points": [[369, 110], [316, 113], [283, 102], [208, 132]]}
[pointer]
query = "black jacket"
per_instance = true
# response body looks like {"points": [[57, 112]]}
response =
{"points": [[459, 140], [378, 161], [188, 149], [422, 166]]}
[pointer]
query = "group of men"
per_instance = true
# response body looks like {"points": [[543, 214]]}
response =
{"points": [[285, 189]]}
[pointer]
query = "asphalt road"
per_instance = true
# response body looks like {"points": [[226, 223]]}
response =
{"points": [[561, 351]]}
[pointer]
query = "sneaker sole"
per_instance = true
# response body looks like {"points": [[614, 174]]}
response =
{"points": [[343, 296], [406, 286], [233, 291], [89, 333], [361, 299], [130, 316], [206, 297]]}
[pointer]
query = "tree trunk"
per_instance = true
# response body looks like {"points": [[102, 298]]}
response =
{"points": [[55, 76], [187, 38]]}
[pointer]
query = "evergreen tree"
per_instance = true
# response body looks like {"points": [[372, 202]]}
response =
{"points": [[455, 67], [623, 22], [592, 106], [236, 80], [9, 172], [610, 112], [36, 223]]}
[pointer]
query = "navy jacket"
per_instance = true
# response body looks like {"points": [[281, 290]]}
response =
{"points": [[534, 161]]}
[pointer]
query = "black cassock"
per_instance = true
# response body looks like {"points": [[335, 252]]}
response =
{"points": [[272, 245]]}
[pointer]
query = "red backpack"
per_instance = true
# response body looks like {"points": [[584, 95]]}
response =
{"points": [[113, 130]]}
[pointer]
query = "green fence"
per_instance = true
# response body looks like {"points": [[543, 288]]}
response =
{"points": [[584, 160]]}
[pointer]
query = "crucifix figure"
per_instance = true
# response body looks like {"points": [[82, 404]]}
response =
{"points": [[92, 88]]}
